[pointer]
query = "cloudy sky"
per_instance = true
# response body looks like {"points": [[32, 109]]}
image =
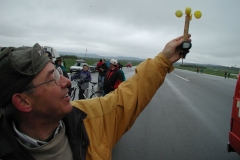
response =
{"points": [[136, 28]]}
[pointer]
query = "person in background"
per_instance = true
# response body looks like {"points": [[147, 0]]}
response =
{"points": [[113, 77], [102, 72], [124, 78], [98, 65], [38, 121], [59, 63], [84, 77], [120, 65], [228, 75], [59, 66], [108, 63], [225, 74]]}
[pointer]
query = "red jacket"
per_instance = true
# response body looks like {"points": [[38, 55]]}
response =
{"points": [[98, 65], [112, 80]]}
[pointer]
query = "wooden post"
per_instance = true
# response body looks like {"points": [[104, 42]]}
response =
{"points": [[186, 27], [185, 34]]}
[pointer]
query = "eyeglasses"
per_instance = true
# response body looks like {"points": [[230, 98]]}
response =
{"points": [[56, 78]]}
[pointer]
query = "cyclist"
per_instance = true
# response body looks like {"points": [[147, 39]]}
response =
{"points": [[84, 77]]}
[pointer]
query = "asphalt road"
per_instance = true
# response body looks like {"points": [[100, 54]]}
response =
{"points": [[187, 119]]}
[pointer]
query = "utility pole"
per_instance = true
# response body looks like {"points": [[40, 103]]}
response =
{"points": [[86, 53]]}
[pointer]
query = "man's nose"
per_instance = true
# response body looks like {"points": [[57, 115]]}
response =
{"points": [[65, 82]]}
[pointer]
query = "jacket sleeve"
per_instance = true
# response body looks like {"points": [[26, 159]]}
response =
{"points": [[88, 77], [109, 117], [76, 76], [105, 67]]}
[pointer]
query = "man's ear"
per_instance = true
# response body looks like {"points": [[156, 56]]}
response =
{"points": [[21, 102]]}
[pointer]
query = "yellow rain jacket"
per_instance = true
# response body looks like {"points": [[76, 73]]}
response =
{"points": [[109, 117]]}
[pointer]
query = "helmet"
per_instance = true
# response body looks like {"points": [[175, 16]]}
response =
{"points": [[114, 62]]}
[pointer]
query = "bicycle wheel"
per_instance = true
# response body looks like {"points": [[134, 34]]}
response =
{"points": [[92, 95], [73, 94], [96, 94], [86, 94]]}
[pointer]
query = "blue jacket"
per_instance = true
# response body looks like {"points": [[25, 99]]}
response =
{"points": [[84, 79]]}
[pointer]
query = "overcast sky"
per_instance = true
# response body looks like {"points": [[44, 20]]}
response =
{"points": [[136, 28]]}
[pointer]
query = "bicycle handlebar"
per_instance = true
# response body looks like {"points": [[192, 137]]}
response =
{"points": [[94, 83]]}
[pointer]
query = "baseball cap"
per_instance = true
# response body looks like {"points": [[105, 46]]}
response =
{"points": [[19, 67], [113, 61]]}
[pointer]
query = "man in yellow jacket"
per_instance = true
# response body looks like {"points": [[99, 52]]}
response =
{"points": [[37, 120]]}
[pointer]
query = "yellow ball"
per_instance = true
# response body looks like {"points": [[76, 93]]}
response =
{"points": [[178, 13], [197, 14], [188, 10]]}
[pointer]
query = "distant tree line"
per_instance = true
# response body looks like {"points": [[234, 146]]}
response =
{"points": [[192, 65], [69, 56]]}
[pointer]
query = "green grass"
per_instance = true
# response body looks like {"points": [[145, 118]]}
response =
{"points": [[213, 71]]}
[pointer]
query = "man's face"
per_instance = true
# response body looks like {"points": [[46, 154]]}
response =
{"points": [[50, 101], [111, 66]]}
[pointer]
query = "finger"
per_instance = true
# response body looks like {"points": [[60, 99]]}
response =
{"points": [[189, 38], [178, 38], [178, 41], [181, 37]]}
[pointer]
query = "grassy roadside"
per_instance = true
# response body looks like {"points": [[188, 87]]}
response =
{"points": [[213, 71]]}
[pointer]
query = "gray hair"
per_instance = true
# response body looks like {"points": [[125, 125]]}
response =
{"points": [[10, 111]]}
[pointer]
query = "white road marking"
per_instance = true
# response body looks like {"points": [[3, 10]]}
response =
{"points": [[180, 77]]}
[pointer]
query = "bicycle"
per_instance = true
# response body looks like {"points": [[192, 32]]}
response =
{"points": [[89, 92], [74, 88]]}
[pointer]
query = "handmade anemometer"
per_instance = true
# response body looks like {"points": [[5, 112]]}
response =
{"points": [[187, 45]]}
